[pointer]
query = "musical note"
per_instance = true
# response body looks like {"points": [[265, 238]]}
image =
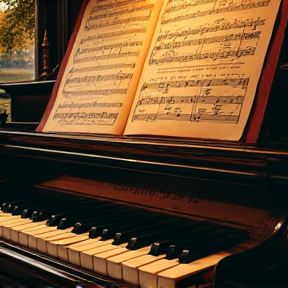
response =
{"points": [[214, 10], [209, 82]]}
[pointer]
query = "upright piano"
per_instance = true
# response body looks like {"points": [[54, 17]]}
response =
{"points": [[87, 211]]}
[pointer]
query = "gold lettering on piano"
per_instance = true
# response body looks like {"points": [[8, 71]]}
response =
{"points": [[156, 190]]}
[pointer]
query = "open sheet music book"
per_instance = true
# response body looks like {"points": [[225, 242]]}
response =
{"points": [[168, 68]]}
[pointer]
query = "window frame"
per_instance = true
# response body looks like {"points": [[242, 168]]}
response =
{"points": [[58, 19]]}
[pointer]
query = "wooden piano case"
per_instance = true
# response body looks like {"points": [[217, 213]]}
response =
{"points": [[236, 185]]}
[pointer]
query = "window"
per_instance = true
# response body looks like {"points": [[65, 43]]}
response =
{"points": [[17, 40], [22, 27], [23, 24]]}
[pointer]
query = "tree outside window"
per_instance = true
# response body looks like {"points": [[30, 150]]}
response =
{"points": [[17, 45]]}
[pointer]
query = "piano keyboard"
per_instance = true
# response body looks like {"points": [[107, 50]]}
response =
{"points": [[133, 245], [22, 268]]}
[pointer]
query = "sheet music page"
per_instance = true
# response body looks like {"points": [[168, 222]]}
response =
{"points": [[203, 67], [100, 80]]}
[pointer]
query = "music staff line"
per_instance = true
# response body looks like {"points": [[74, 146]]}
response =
{"points": [[121, 12], [237, 53], [110, 6], [129, 20], [109, 47], [102, 118], [193, 117], [100, 92], [92, 79], [233, 82], [199, 66], [92, 104], [237, 24], [208, 40], [101, 68], [106, 57], [84, 115], [215, 100], [114, 34], [171, 7], [214, 11]]}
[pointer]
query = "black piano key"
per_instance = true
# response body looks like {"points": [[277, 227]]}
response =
{"points": [[7, 207], [92, 207], [145, 227], [173, 252], [150, 226], [64, 223], [103, 221], [193, 237], [182, 236], [138, 227], [30, 205], [18, 210], [54, 220], [69, 217], [33, 202], [45, 207], [220, 243], [132, 223], [159, 233], [178, 234], [90, 216], [93, 232], [38, 216], [26, 213], [14, 200], [75, 210], [45, 212], [163, 241]]}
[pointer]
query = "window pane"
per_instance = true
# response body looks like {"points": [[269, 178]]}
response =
{"points": [[17, 44]]}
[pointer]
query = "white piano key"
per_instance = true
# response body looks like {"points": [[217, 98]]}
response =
{"points": [[201, 269], [32, 235], [148, 273], [130, 267], [74, 252], [85, 242], [75, 249], [8, 218], [6, 225], [86, 257], [4, 215], [13, 232], [100, 259], [25, 234], [58, 234], [62, 245], [52, 245], [114, 264]]}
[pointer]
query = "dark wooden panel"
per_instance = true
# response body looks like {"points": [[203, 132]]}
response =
{"points": [[29, 99], [29, 108]]}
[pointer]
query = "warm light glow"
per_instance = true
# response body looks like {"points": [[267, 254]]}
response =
{"points": [[277, 227]]}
